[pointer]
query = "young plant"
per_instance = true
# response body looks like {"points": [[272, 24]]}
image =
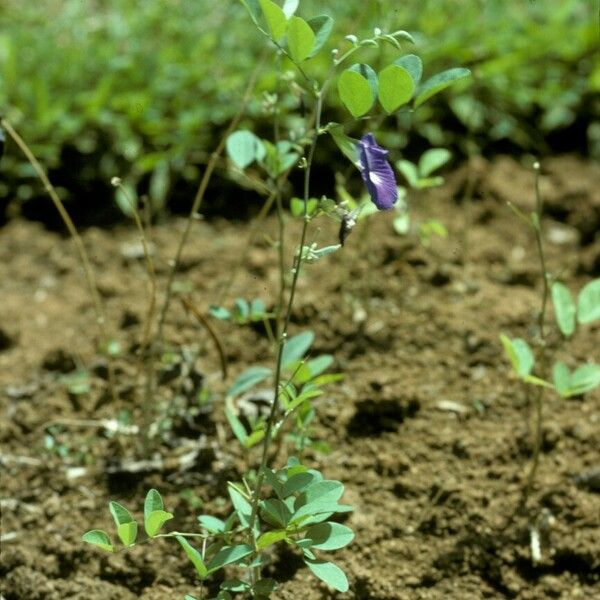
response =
{"points": [[569, 316], [293, 505]]}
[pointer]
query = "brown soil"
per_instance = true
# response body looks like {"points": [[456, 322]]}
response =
{"points": [[430, 433]]}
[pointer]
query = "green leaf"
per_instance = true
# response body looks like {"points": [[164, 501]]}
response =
{"points": [[276, 512], [313, 367], [241, 505], [433, 159], [564, 308], [321, 26], [345, 143], [439, 82], [317, 511], [219, 312], [369, 74], [156, 519], [588, 304], [519, 354], [301, 399], [585, 379], [241, 310], [248, 379], [211, 524], [254, 438], [152, 502], [264, 587], [296, 347], [194, 556], [562, 378], [274, 481], [537, 381], [297, 206], [253, 8], [229, 555], [319, 364], [258, 309], [413, 64], [297, 483], [271, 537], [409, 171], [243, 148], [235, 585], [329, 536], [99, 538], [300, 39], [127, 532], [327, 490], [236, 426], [396, 87], [275, 18], [355, 92], [328, 572], [126, 526]]}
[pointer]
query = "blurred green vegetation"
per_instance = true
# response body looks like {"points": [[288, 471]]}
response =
{"points": [[141, 90]]}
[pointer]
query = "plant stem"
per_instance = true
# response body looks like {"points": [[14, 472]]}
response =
{"points": [[83, 255], [283, 334], [148, 391], [538, 399]]}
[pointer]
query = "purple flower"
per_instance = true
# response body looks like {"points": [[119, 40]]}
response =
{"points": [[377, 173]]}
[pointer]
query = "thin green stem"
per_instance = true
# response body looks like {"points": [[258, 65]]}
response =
{"points": [[83, 255], [256, 495], [280, 220], [145, 358], [543, 359]]}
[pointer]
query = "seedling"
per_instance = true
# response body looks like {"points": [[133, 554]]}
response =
{"points": [[534, 370]]}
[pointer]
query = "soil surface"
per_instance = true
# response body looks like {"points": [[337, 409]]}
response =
{"points": [[430, 433]]}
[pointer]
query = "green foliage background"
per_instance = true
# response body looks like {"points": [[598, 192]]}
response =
{"points": [[142, 89]]}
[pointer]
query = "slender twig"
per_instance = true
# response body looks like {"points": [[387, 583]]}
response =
{"points": [[83, 255], [189, 305], [536, 218], [143, 358], [256, 495], [147, 329]]}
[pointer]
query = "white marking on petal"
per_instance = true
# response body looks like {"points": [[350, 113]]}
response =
{"points": [[376, 179]]}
